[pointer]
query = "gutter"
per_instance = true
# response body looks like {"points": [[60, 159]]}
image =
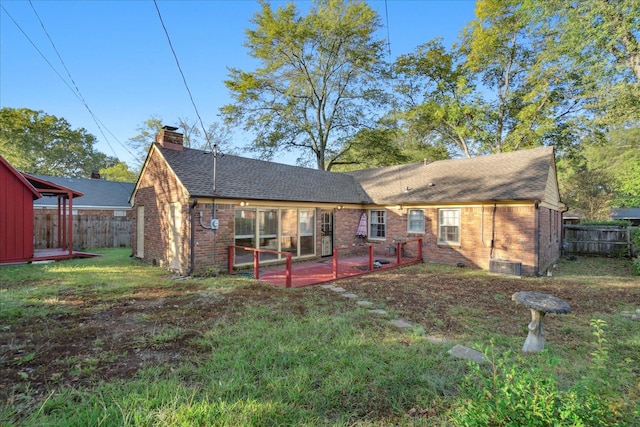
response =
{"points": [[192, 243]]}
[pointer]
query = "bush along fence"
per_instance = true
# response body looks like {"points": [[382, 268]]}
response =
{"points": [[89, 231], [598, 240]]}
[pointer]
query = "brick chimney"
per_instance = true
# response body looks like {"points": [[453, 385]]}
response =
{"points": [[169, 138]]}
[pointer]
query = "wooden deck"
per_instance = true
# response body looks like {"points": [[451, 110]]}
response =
{"points": [[321, 271], [57, 254]]}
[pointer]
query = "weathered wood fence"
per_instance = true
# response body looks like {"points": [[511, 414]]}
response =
{"points": [[597, 240], [89, 231]]}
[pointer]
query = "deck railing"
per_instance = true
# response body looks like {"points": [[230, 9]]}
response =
{"points": [[399, 247], [256, 260]]}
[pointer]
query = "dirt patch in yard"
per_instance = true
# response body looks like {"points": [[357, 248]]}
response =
{"points": [[96, 339]]}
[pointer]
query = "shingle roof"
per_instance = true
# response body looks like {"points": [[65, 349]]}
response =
{"points": [[519, 175], [625, 213], [96, 192], [239, 178]]}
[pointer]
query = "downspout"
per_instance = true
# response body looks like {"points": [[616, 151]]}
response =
{"points": [[562, 246], [493, 231], [192, 244], [536, 238]]}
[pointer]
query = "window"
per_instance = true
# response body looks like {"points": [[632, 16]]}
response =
{"points": [[377, 224], [416, 221], [283, 230], [307, 227], [449, 226]]}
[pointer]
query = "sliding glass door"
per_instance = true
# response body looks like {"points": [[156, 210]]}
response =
{"points": [[278, 229]]}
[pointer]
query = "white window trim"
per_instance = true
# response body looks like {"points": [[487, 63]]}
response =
{"points": [[371, 237], [448, 242], [409, 230]]}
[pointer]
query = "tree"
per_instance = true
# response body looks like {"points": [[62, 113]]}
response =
{"points": [[318, 83], [372, 148], [119, 172], [600, 41], [216, 134], [491, 93], [598, 175], [618, 156], [439, 101], [39, 143], [589, 191]]}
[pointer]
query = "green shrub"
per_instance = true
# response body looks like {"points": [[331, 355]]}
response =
{"points": [[524, 391], [611, 223], [635, 237], [636, 266]]}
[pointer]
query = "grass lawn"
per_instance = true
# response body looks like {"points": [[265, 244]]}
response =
{"points": [[109, 341]]}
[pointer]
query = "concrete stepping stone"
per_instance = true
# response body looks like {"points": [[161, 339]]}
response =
{"points": [[327, 286], [378, 311], [401, 323], [352, 296], [462, 352], [364, 303], [337, 289]]}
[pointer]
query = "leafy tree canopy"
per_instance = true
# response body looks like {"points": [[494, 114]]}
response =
{"points": [[194, 137], [39, 143], [317, 85], [491, 93], [599, 41], [119, 172]]}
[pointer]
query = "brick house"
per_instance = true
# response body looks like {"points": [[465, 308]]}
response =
{"points": [[497, 210], [100, 197]]}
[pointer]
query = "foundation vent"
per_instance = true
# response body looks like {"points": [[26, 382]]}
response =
{"points": [[509, 268]]}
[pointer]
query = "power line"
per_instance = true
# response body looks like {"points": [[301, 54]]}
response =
{"points": [[184, 80], [53, 68], [77, 90], [386, 14]]}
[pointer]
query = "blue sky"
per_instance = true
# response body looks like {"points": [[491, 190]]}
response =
{"points": [[119, 58]]}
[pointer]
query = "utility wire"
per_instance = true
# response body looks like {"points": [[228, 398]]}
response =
{"points": [[184, 80], [386, 13], [61, 77], [75, 88], [38, 50]]}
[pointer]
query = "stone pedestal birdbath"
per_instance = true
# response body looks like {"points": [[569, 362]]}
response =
{"points": [[540, 304]]}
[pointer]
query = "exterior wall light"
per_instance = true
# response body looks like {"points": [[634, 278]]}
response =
{"points": [[243, 203]]}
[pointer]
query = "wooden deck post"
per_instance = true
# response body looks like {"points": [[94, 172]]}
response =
{"points": [[288, 271]]}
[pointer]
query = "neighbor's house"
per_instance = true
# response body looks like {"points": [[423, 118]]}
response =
{"points": [[101, 197], [576, 217], [627, 214], [102, 217], [494, 210]]}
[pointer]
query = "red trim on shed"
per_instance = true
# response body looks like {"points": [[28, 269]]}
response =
{"points": [[16, 214]]}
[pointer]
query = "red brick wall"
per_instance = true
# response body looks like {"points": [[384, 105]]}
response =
{"points": [[211, 245], [81, 211], [345, 226], [156, 190], [512, 233]]}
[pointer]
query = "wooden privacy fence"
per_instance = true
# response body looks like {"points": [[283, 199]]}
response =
{"points": [[597, 240], [89, 231]]}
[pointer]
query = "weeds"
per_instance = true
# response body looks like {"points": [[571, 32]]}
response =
{"points": [[524, 390]]}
